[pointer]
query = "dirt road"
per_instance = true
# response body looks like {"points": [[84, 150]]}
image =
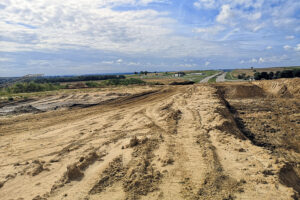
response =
{"points": [[173, 142]]}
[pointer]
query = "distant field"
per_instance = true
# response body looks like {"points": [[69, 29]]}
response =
{"points": [[192, 76], [250, 72], [229, 76], [167, 77]]}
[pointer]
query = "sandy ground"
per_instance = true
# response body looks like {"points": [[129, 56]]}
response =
{"points": [[165, 142]]}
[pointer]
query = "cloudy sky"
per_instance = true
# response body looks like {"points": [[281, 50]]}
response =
{"points": [[57, 37]]}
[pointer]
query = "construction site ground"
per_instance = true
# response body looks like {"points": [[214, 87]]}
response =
{"points": [[222, 141]]}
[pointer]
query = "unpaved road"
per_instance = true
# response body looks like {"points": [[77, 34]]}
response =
{"points": [[221, 78], [174, 142]]}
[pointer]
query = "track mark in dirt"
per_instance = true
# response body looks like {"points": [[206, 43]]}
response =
{"points": [[216, 184], [139, 177], [113, 173], [289, 177], [142, 176], [75, 171]]}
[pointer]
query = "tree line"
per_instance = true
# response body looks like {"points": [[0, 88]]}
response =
{"points": [[279, 74], [59, 79]]}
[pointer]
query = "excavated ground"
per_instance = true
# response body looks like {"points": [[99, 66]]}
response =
{"points": [[223, 141]]}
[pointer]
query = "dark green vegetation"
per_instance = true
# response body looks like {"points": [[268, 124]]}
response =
{"points": [[77, 78], [243, 76], [279, 74], [30, 87]]}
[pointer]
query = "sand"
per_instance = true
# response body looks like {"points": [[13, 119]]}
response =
{"points": [[162, 142]]}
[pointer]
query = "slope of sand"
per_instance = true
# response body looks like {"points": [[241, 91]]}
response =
{"points": [[171, 142]]}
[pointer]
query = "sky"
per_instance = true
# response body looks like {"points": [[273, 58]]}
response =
{"points": [[55, 37]]}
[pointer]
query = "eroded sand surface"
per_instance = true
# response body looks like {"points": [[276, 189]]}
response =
{"points": [[170, 142]]}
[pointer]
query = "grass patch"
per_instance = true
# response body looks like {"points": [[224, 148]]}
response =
{"points": [[229, 76], [197, 78], [212, 80], [92, 84], [29, 88]]}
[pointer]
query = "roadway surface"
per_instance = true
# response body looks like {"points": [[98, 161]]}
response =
{"points": [[221, 78], [205, 80]]}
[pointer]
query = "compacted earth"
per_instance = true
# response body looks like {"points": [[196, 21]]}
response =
{"points": [[203, 141]]}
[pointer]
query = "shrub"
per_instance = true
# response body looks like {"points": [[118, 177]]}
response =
{"points": [[32, 87], [92, 84]]}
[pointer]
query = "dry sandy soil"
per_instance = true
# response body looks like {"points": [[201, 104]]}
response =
{"points": [[206, 141]]}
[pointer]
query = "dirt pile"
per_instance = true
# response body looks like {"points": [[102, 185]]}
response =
{"points": [[281, 87], [272, 122], [241, 91]]}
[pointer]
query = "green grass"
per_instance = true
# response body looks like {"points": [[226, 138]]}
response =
{"points": [[229, 76], [29, 87], [212, 80], [198, 78]]}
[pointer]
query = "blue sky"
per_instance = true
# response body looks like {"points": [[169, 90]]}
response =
{"points": [[108, 36]]}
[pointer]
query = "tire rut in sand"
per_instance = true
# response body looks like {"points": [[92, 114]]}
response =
{"points": [[216, 184], [139, 177]]}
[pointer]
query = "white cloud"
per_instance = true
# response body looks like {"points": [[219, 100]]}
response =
{"points": [[269, 47], [207, 63], [54, 25], [210, 31], [290, 37], [119, 60], [269, 59], [253, 60], [261, 60], [287, 47], [205, 4], [108, 62], [3, 59], [297, 48], [225, 15]]}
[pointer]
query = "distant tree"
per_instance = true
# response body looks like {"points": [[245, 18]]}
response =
{"points": [[277, 74], [287, 74], [135, 73], [297, 73], [257, 76], [271, 75], [264, 75], [242, 76]]}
